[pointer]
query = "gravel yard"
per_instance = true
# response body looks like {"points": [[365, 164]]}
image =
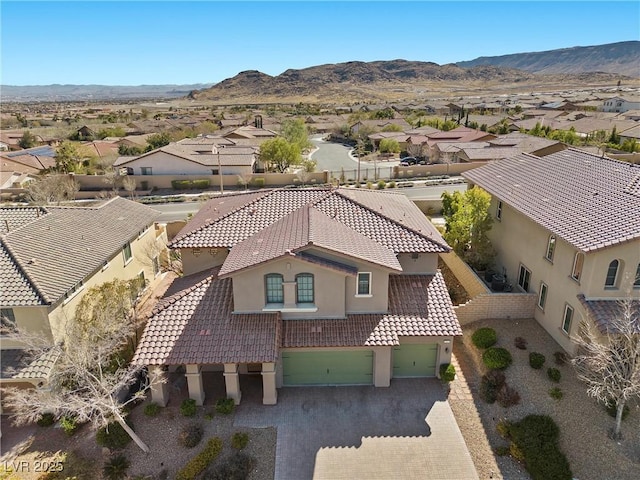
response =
{"points": [[584, 424]]}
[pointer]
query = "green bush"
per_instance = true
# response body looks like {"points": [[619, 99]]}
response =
{"points": [[46, 420], [391, 184], [258, 182], [188, 407], [503, 427], [554, 374], [369, 185], [536, 360], [116, 467], [113, 436], [497, 358], [381, 184], [225, 406], [236, 467], [201, 461], [447, 372], [535, 443], [151, 409], [239, 440], [69, 425], [180, 184], [190, 435], [612, 409], [200, 184], [502, 450], [484, 337], [556, 393]]}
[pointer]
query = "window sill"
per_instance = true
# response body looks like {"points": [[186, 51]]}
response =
{"points": [[368, 295], [577, 280], [610, 287], [275, 307], [550, 260], [127, 262], [565, 333]]}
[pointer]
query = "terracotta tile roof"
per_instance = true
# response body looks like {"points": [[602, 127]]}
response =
{"points": [[302, 229], [18, 364], [15, 287], [603, 311], [588, 201], [56, 251], [197, 326], [419, 305], [14, 217]]}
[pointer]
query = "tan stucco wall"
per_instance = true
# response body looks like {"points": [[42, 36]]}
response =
{"points": [[192, 263], [163, 163], [379, 300], [29, 319], [519, 240], [426, 263], [592, 281]]}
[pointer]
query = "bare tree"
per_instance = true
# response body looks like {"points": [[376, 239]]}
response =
{"points": [[129, 184], [609, 363], [51, 189], [89, 372], [244, 179], [112, 178]]}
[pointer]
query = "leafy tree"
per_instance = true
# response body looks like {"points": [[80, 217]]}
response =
{"points": [[614, 138], [112, 132], [68, 157], [278, 153], [468, 222], [630, 145], [386, 113], [610, 366], [158, 140], [392, 127], [28, 140], [389, 145], [295, 132], [89, 372], [129, 151]]}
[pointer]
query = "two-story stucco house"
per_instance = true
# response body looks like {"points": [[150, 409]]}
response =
{"points": [[567, 227], [305, 287], [51, 256]]}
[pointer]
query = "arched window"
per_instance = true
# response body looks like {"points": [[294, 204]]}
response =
{"points": [[274, 291], [551, 247], [612, 274], [636, 282], [578, 262], [304, 288]]}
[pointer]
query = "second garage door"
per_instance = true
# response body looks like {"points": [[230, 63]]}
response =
{"points": [[415, 360], [328, 368]]}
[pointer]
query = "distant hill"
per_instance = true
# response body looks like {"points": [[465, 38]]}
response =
{"points": [[59, 93], [622, 58]]}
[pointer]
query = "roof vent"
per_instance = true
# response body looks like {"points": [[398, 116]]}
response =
{"points": [[33, 262]]}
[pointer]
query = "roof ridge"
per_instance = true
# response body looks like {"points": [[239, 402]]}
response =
{"points": [[26, 274], [426, 237], [211, 222], [167, 302]]}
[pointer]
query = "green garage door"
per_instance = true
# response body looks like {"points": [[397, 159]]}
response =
{"points": [[415, 360], [328, 368]]}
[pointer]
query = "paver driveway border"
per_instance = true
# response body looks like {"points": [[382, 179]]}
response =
{"points": [[405, 431]]}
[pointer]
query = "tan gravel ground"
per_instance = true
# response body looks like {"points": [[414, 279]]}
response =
{"points": [[584, 424]]}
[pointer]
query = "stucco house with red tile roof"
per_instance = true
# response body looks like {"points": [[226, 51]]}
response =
{"points": [[306, 287], [568, 228]]}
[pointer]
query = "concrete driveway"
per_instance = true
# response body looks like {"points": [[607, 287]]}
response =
{"points": [[406, 431]]}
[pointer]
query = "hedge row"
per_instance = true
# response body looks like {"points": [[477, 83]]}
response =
{"points": [[201, 461], [190, 184]]}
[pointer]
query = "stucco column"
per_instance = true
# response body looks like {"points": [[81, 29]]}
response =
{"points": [[269, 392], [382, 366], [194, 383], [232, 382], [159, 387], [289, 290]]}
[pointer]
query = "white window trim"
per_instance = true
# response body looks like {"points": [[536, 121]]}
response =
{"points": [[364, 295], [522, 265], [127, 261], [564, 316], [106, 265], [499, 211], [546, 289], [555, 244], [615, 279], [573, 268]]}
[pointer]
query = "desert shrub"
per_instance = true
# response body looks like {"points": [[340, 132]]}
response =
{"points": [[503, 427], [561, 358], [520, 343], [236, 467], [490, 385], [201, 461], [113, 436], [447, 372], [612, 409], [556, 393], [225, 406], [554, 374], [200, 184], [151, 409], [258, 182], [239, 440], [391, 184], [188, 407], [484, 337], [536, 360], [508, 396], [69, 425], [190, 435], [502, 450], [497, 358], [369, 185], [381, 184], [180, 184], [46, 420], [116, 467], [535, 443]]}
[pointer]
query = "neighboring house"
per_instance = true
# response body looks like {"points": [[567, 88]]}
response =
{"points": [[50, 257], [30, 160], [567, 227], [192, 159], [305, 287], [10, 179], [620, 104]]}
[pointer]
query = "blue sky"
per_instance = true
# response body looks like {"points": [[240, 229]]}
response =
{"points": [[168, 42]]}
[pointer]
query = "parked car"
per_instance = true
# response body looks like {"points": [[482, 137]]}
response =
{"points": [[406, 161]]}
